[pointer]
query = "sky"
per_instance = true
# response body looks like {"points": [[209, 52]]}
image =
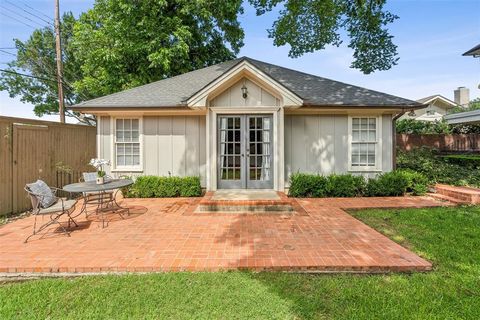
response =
{"points": [[431, 36]]}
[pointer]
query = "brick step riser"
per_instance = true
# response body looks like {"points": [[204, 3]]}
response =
{"points": [[456, 195], [447, 198], [244, 208]]}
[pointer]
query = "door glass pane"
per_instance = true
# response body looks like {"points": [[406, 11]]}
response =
{"points": [[266, 123], [251, 123]]}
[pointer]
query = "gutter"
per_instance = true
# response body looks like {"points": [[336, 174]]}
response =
{"points": [[394, 138]]}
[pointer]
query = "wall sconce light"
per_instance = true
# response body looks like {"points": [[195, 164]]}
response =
{"points": [[412, 113], [244, 92]]}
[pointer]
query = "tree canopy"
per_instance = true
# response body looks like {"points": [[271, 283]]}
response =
{"points": [[120, 44], [124, 43]]}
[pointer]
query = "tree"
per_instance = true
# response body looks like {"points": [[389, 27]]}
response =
{"points": [[123, 43], [32, 75], [120, 44], [310, 25]]}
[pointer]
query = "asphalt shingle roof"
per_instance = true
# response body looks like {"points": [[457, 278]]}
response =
{"points": [[314, 90]]}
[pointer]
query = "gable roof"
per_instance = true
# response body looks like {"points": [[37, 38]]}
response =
{"points": [[475, 51], [313, 90], [431, 98]]}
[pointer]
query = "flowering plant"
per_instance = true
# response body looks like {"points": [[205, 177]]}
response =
{"points": [[98, 164]]}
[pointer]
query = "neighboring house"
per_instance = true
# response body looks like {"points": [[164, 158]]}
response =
{"points": [[246, 124], [438, 107], [467, 117]]}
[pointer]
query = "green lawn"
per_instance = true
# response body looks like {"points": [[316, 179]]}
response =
{"points": [[449, 237]]}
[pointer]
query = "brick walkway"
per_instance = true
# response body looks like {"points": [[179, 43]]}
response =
{"points": [[166, 235]]}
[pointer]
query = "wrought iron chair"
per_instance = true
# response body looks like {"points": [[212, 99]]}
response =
{"points": [[59, 208]]}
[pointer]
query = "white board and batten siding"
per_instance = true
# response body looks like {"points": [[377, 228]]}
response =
{"points": [[319, 144], [232, 96], [171, 144]]}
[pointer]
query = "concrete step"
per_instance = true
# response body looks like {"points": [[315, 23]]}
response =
{"points": [[244, 206], [464, 194], [246, 201]]}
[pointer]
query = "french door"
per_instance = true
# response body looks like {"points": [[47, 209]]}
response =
{"points": [[245, 152]]}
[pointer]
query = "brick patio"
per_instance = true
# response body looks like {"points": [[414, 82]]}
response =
{"points": [[167, 235]]}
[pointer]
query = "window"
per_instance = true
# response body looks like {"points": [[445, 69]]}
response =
{"points": [[364, 143], [127, 143]]}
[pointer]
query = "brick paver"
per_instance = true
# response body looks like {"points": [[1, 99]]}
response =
{"points": [[166, 235]]}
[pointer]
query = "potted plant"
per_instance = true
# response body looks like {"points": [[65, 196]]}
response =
{"points": [[98, 164]]}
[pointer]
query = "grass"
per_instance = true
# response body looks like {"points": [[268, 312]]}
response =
{"points": [[449, 237]]}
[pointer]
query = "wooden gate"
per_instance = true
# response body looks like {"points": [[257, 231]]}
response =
{"points": [[32, 149]]}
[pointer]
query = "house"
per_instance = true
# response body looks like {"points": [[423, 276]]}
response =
{"points": [[246, 124], [437, 107]]}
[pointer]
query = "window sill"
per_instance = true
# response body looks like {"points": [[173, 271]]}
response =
{"points": [[364, 170]]}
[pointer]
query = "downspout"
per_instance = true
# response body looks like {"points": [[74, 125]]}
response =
{"points": [[394, 139]]}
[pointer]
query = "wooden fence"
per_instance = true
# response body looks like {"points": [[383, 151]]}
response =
{"points": [[442, 142], [33, 149]]}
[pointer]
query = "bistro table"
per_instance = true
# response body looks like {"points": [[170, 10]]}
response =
{"points": [[102, 195]]}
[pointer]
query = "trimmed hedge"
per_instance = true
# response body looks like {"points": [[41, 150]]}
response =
{"points": [[163, 187], [395, 183]]}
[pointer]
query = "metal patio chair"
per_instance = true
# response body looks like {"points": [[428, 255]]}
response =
{"points": [[55, 211]]}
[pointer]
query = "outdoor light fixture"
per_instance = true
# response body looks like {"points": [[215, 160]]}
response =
{"points": [[412, 113], [244, 92]]}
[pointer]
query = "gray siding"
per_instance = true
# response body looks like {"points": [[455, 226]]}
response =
{"points": [[319, 144], [174, 144]]}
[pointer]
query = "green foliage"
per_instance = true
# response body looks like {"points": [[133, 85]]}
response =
{"points": [[122, 43], [308, 185], [395, 183], [411, 126], [345, 185], [438, 169], [310, 25], [163, 187], [390, 184], [465, 160], [417, 183]]}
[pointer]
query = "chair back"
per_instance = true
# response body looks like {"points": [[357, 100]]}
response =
{"points": [[89, 176], [33, 198]]}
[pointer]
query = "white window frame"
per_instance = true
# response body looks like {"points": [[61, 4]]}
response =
{"points": [[378, 144], [113, 132]]}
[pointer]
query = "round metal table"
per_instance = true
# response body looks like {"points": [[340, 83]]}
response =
{"points": [[100, 194]]}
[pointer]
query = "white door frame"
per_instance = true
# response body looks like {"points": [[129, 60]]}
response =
{"points": [[278, 143]]}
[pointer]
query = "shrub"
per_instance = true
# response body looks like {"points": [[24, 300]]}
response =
{"points": [[417, 182], [318, 186], [308, 185], [345, 185], [163, 187], [439, 169], [466, 160], [388, 184]]}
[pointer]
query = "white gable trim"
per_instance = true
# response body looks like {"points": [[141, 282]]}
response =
{"points": [[245, 68], [442, 99]]}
